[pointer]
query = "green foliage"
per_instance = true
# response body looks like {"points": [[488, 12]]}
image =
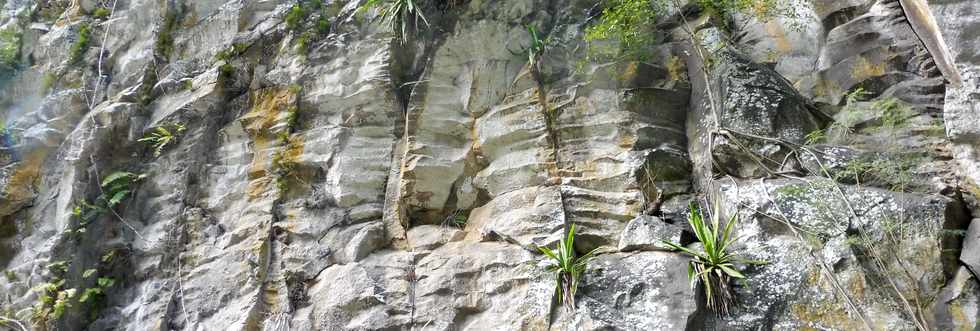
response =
{"points": [[892, 171], [712, 269], [536, 49], [303, 42], [396, 15], [894, 113], [323, 25], [567, 268], [627, 22], [231, 52], [160, 137], [295, 16], [292, 117], [165, 38], [97, 292], [630, 24], [815, 137], [52, 297], [101, 13], [226, 72], [117, 186], [456, 219], [115, 189], [78, 48], [761, 9], [10, 42], [850, 116], [48, 81], [10, 275]]}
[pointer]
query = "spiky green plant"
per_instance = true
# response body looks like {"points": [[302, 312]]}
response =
{"points": [[396, 14], [160, 137], [713, 269], [567, 268], [536, 50]]}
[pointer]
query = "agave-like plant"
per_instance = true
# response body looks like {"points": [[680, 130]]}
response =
{"points": [[395, 14], [567, 268], [713, 269]]}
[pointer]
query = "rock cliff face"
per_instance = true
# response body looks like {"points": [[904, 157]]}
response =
{"points": [[325, 175]]}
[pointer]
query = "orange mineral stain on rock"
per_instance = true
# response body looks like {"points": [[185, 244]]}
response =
{"points": [[264, 123], [20, 186]]}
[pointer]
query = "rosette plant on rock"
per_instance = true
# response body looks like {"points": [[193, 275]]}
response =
{"points": [[712, 269], [567, 268]]}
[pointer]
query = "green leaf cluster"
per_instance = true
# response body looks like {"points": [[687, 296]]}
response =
{"points": [[396, 15], [629, 23], [78, 48], [567, 268], [115, 188], [10, 42], [712, 268], [161, 137]]}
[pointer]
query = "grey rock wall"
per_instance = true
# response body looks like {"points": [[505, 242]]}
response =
{"points": [[336, 178]]}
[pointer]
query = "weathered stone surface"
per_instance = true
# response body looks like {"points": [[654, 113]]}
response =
{"points": [[426, 237], [829, 248], [757, 101], [634, 291], [645, 233], [958, 305], [970, 256], [321, 160]]}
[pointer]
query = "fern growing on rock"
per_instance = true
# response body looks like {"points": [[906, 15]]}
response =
{"points": [[161, 137]]}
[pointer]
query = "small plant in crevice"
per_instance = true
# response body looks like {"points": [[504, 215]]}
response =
{"points": [[101, 13], [78, 48], [894, 113], [536, 50], [231, 52], [164, 44], [48, 81], [295, 16], [455, 219], [567, 268], [283, 167], [161, 137], [115, 188], [226, 72], [98, 292], [713, 269], [815, 137], [53, 298], [398, 15], [302, 43], [894, 172]]}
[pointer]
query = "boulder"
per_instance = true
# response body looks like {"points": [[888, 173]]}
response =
{"points": [[646, 233]]}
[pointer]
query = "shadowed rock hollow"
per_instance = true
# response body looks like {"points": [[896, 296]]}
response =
{"points": [[315, 172]]}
